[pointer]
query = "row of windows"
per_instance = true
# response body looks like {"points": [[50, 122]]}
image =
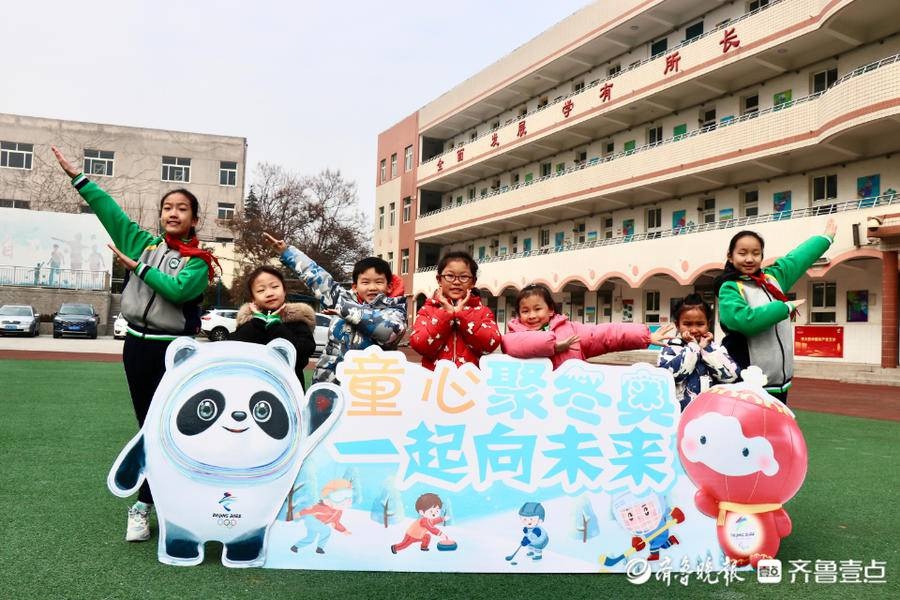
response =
{"points": [[224, 210], [407, 213], [407, 164], [16, 155]]}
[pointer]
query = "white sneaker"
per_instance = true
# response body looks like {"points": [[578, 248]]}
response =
{"points": [[138, 525]]}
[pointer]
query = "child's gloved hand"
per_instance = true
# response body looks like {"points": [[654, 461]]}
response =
{"points": [[525, 530], [525, 541]]}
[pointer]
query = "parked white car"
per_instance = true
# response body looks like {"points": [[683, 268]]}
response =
{"points": [[321, 332], [19, 318], [218, 323], [120, 327]]}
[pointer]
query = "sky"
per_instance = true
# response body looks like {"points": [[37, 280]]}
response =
{"points": [[309, 84]]}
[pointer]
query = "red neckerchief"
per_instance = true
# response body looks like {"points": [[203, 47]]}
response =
{"points": [[763, 281], [192, 248]]}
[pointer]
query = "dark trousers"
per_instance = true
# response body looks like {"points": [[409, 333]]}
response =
{"points": [[781, 396], [145, 364]]}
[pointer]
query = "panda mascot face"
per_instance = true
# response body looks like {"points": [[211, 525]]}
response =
{"points": [[223, 441], [232, 417]]}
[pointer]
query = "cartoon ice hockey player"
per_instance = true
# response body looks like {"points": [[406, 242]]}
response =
{"points": [[325, 515], [648, 520], [535, 538], [743, 450], [429, 508]]}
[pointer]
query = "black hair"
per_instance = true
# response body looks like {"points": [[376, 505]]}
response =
{"points": [[460, 256], [381, 266], [195, 204], [690, 302], [259, 271], [734, 240], [536, 289]]}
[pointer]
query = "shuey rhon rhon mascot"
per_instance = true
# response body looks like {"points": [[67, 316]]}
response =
{"points": [[224, 439], [743, 450]]}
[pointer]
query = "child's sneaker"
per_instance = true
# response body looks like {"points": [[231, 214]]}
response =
{"points": [[138, 525]]}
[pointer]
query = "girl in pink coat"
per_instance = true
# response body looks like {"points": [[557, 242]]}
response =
{"points": [[539, 332]]}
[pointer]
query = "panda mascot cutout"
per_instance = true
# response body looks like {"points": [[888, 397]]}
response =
{"points": [[224, 439]]}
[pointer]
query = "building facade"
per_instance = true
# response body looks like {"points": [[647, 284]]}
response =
{"points": [[135, 165], [613, 157]]}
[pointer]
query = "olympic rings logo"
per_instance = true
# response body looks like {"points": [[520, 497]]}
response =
{"points": [[227, 522]]}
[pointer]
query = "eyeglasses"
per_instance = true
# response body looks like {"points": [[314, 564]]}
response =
{"points": [[450, 278]]}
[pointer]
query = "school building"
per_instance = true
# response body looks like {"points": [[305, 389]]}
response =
{"points": [[613, 157]]}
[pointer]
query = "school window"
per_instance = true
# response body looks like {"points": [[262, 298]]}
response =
{"points": [[755, 4], [495, 125], [751, 203], [14, 155], [609, 148], [380, 217], [176, 169], [513, 241], [99, 162], [393, 165], [459, 200], [651, 307], [545, 169], [613, 70], [708, 210], [559, 240], [560, 168], [577, 86], [708, 117], [545, 238], [607, 228], [692, 31], [390, 260], [750, 104], [824, 187], [391, 213], [407, 159], [823, 80], [407, 209], [481, 252], [543, 102], [383, 170], [227, 173], [473, 136], [654, 219], [654, 135], [579, 230], [526, 245], [823, 308], [9, 203], [515, 179], [226, 210], [659, 47], [404, 261], [483, 192], [523, 111], [472, 192], [580, 157]]}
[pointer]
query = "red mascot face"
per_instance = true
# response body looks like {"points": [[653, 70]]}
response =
{"points": [[741, 445]]}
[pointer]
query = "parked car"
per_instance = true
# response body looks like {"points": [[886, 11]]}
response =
{"points": [[321, 332], [119, 327], [218, 323], [76, 319], [19, 319]]}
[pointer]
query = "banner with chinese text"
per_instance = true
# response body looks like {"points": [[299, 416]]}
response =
{"points": [[820, 341]]}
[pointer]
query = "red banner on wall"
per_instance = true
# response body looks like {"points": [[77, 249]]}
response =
{"points": [[819, 341]]}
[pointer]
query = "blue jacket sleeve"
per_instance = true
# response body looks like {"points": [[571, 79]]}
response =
{"points": [[326, 289]]}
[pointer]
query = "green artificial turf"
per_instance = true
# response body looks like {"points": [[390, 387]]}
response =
{"points": [[61, 531]]}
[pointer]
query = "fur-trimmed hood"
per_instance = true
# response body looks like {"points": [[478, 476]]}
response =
{"points": [[293, 312]]}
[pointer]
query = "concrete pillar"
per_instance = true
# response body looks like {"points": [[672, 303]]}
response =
{"points": [[889, 307]]}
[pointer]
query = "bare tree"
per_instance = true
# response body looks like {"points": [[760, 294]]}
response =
{"points": [[319, 214]]}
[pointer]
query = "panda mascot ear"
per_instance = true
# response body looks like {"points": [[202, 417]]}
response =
{"points": [[284, 350], [180, 350]]}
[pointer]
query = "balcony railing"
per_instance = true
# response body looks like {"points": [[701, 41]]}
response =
{"points": [[49, 277], [631, 67], [891, 198], [693, 133]]}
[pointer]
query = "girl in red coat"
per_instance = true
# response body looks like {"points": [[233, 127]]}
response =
{"points": [[453, 324], [540, 332]]}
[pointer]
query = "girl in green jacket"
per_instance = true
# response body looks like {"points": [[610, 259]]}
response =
{"points": [[753, 307]]}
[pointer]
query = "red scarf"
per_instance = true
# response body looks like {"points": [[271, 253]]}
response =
{"points": [[192, 248], [763, 282]]}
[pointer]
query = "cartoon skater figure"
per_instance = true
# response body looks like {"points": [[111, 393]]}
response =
{"points": [[648, 520], [325, 515], [429, 508], [535, 538]]}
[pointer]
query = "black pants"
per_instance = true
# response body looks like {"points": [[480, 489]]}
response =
{"points": [[145, 364], [781, 396]]}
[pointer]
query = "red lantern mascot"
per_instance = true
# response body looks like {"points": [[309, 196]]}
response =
{"points": [[743, 450]]}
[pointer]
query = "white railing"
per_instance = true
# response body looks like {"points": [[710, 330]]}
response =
{"points": [[51, 277], [618, 73], [693, 133], [889, 199]]}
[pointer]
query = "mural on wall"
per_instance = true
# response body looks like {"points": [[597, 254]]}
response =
{"points": [[781, 203], [628, 227], [857, 306], [679, 219]]}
